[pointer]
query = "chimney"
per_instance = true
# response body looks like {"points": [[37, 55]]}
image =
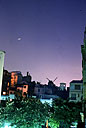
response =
{"points": [[27, 73]]}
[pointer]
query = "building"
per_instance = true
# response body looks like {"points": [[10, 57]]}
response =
{"points": [[2, 55], [22, 89], [75, 91], [62, 86], [16, 78], [83, 50], [6, 82], [44, 92], [27, 78]]}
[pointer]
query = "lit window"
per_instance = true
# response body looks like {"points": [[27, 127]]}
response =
{"points": [[4, 93], [8, 83]]}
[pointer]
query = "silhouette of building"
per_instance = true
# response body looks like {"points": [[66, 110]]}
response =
{"points": [[6, 82], [27, 78]]}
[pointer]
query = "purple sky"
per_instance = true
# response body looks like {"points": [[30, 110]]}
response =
{"points": [[51, 33]]}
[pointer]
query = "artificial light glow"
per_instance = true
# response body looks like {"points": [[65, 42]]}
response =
{"points": [[4, 93], [14, 78], [7, 126]]}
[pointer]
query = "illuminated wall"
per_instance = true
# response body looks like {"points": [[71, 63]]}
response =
{"points": [[2, 55], [25, 90], [14, 78]]}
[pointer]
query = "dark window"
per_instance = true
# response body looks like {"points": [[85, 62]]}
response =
{"points": [[24, 93], [24, 86], [38, 90], [78, 95], [73, 96], [77, 87]]}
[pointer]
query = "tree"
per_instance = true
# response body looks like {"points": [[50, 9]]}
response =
{"points": [[30, 113], [64, 113]]}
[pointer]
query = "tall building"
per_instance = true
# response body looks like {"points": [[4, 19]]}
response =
{"points": [[6, 82], [83, 50], [2, 54]]}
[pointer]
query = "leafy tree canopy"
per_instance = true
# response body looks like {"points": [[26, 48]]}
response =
{"points": [[30, 113]]}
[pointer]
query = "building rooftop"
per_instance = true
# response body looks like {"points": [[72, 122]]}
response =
{"points": [[76, 81]]}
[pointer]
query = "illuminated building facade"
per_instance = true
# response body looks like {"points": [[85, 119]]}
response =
{"points": [[22, 90], [16, 78]]}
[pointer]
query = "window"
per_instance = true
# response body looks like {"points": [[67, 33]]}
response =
{"points": [[78, 95], [24, 86], [24, 93], [38, 90], [73, 96], [71, 87], [4, 93], [77, 87]]}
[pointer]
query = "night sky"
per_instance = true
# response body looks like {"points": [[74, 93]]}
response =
{"points": [[43, 37]]}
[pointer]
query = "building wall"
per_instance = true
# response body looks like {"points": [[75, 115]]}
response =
{"points": [[2, 55], [16, 78], [41, 89], [23, 89], [75, 92], [6, 82]]}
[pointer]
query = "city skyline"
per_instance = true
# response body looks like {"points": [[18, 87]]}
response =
{"points": [[43, 37]]}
